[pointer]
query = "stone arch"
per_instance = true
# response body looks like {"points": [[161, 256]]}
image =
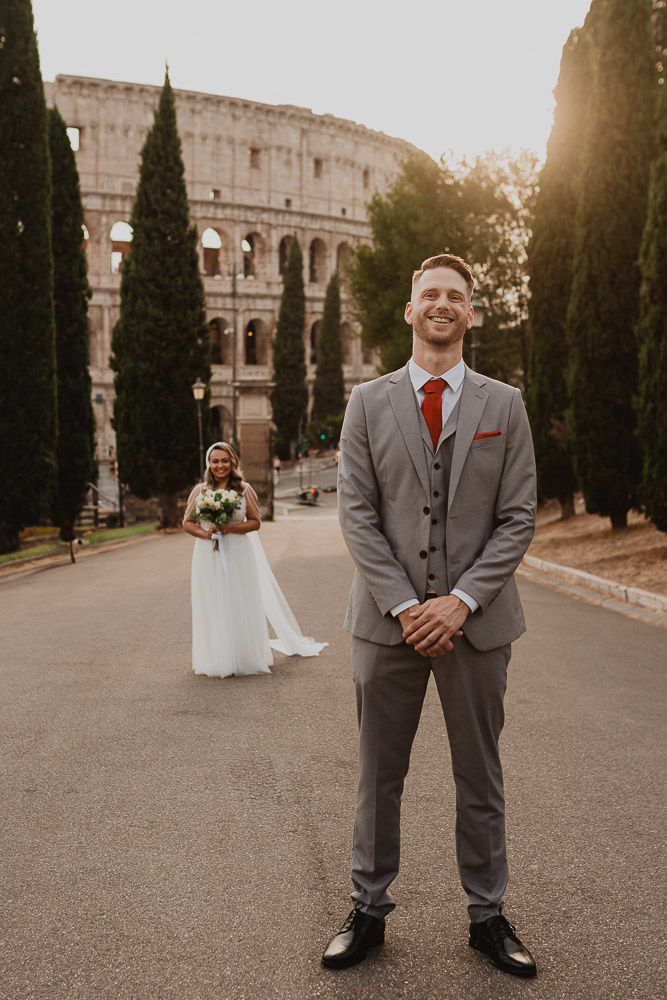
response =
{"points": [[283, 253], [220, 334], [347, 343], [313, 342], [317, 262], [121, 236], [212, 244], [254, 258], [221, 423], [256, 343]]}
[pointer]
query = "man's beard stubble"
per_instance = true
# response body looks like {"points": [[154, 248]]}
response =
{"points": [[448, 336]]}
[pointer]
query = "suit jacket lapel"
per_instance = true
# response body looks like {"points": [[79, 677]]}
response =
{"points": [[473, 400], [401, 396]]}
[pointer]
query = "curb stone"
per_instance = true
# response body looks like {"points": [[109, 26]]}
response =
{"points": [[618, 591]]}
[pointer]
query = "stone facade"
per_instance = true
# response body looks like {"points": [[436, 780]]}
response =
{"points": [[256, 174]]}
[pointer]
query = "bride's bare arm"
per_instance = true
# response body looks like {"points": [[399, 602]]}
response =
{"points": [[189, 522]]}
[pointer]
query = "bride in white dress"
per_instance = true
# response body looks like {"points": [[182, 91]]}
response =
{"points": [[233, 589]]}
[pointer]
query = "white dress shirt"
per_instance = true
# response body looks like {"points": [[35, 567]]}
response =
{"points": [[450, 396]]}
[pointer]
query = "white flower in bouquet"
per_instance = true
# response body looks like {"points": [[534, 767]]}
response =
{"points": [[216, 507]]}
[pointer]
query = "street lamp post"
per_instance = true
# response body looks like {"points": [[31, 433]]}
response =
{"points": [[199, 391], [477, 324], [245, 246]]}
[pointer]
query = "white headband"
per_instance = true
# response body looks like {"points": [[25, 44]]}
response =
{"points": [[215, 445]]}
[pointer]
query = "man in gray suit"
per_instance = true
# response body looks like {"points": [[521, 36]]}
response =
{"points": [[437, 506]]}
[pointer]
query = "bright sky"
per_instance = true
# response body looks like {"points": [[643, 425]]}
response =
{"points": [[460, 75]]}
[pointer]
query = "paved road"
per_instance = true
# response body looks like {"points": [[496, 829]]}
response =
{"points": [[168, 836]]}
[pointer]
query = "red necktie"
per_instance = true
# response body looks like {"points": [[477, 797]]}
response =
{"points": [[432, 407]]}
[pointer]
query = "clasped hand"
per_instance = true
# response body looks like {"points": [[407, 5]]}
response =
{"points": [[430, 626]]}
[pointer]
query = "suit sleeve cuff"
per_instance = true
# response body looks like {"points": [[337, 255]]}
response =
{"points": [[396, 610], [466, 598]]}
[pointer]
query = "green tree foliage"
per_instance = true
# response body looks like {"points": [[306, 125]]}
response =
{"points": [[478, 210], [417, 217], [550, 259], [652, 336], [603, 309], [329, 387], [76, 422], [501, 229], [289, 397], [28, 415], [160, 342]]}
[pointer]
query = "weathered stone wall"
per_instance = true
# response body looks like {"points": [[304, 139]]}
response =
{"points": [[254, 172]]}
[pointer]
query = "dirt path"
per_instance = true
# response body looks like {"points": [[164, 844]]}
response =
{"points": [[635, 556]]}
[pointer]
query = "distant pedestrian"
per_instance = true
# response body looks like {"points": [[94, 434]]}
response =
{"points": [[276, 470], [233, 588], [436, 495]]}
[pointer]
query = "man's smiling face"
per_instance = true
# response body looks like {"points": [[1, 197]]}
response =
{"points": [[439, 311]]}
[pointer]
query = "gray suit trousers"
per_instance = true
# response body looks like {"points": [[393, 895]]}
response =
{"points": [[390, 685]]}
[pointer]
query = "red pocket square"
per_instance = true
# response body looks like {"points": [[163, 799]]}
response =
{"points": [[486, 434]]}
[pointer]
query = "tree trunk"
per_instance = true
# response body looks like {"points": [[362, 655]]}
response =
{"points": [[168, 510], [67, 532], [619, 520], [9, 538], [566, 506]]}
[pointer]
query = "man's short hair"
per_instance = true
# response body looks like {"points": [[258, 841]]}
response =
{"points": [[447, 260]]}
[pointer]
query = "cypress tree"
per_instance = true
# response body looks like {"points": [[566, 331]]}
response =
{"points": [[329, 387], [603, 309], [76, 422], [550, 257], [28, 415], [160, 342], [289, 397], [652, 337]]}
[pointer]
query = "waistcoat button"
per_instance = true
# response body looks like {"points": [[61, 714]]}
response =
{"points": [[427, 510], [431, 576], [436, 493], [433, 549], [437, 465], [422, 554]]}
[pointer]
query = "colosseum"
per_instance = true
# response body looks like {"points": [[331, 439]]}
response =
{"points": [[256, 174]]}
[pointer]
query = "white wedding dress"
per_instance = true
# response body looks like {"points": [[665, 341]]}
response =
{"points": [[234, 592]]}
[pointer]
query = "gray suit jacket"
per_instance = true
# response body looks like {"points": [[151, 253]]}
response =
{"points": [[384, 490]]}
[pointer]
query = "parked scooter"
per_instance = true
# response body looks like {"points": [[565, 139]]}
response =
{"points": [[308, 495]]}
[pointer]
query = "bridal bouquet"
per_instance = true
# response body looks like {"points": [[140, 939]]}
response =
{"points": [[216, 507]]}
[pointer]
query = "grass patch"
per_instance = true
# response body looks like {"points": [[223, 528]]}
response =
{"points": [[38, 550], [111, 533], [96, 538], [39, 531]]}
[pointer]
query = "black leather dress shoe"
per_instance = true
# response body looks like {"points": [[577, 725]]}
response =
{"points": [[360, 932], [496, 937]]}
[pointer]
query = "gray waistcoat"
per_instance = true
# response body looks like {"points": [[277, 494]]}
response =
{"points": [[439, 466]]}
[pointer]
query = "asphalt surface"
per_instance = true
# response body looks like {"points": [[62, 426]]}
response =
{"points": [[170, 836]]}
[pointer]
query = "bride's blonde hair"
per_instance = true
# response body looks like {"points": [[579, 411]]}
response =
{"points": [[236, 474]]}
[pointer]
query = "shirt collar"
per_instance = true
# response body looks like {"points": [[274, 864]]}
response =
{"points": [[453, 377]]}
